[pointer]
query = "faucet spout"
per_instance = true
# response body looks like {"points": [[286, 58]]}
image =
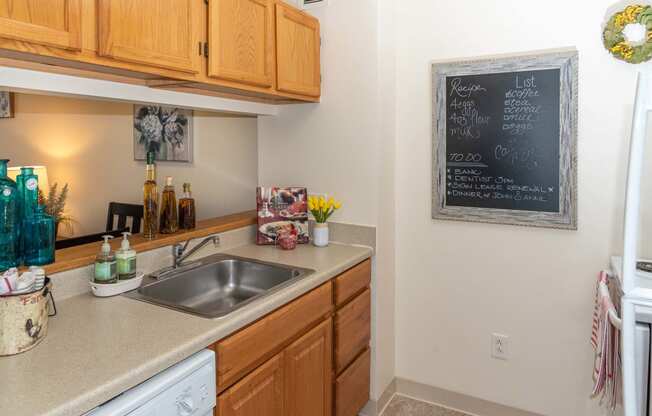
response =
{"points": [[180, 254]]}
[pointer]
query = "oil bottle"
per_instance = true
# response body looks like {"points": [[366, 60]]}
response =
{"points": [[168, 223]]}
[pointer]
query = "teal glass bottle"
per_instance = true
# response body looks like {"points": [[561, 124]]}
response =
{"points": [[20, 186], [9, 221], [27, 183], [38, 238]]}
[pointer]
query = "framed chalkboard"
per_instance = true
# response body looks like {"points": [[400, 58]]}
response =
{"points": [[505, 140]]}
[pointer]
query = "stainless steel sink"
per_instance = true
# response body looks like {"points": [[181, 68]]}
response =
{"points": [[217, 285]]}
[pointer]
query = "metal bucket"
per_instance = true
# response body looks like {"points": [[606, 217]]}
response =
{"points": [[24, 319]]}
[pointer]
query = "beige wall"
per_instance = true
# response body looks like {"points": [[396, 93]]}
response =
{"points": [[459, 282], [456, 283], [89, 144]]}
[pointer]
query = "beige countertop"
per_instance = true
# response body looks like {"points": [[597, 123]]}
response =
{"points": [[97, 348]]}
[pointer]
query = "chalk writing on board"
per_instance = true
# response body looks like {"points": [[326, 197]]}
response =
{"points": [[502, 141], [465, 120], [521, 114]]}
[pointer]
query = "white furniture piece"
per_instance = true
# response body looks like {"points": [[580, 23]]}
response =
{"points": [[185, 389], [636, 302]]}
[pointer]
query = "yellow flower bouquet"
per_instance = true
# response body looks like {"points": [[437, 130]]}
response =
{"points": [[321, 208]]}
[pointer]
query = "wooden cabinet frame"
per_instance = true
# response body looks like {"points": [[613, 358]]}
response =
{"points": [[88, 47], [295, 74], [227, 51], [70, 38], [109, 47]]}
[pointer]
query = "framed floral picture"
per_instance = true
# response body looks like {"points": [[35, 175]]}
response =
{"points": [[6, 104], [166, 131]]}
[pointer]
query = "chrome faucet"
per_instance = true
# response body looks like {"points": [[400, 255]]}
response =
{"points": [[179, 255], [179, 251]]}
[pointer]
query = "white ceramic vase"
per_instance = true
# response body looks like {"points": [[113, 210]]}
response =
{"points": [[320, 234]]}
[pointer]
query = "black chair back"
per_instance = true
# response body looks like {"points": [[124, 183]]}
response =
{"points": [[86, 239], [124, 211]]}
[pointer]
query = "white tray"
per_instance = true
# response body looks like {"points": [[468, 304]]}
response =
{"points": [[104, 290]]}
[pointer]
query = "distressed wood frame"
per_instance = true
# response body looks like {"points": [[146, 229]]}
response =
{"points": [[567, 62]]}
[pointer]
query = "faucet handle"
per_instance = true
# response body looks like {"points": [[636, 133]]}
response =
{"points": [[178, 249]]}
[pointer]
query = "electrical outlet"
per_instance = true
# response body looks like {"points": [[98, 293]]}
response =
{"points": [[500, 346]]}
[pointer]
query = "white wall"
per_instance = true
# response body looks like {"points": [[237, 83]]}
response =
{"points": [[89, 144], [335, 147], [459, 282]]}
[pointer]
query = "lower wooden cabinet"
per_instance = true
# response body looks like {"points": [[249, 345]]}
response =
{"points": [[352, 386], [242, 352], [258, 394], [310, 357], [308, 372], [352, 330], [296, 382]]}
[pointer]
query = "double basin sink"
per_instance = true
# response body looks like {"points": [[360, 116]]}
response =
{"points": [[217, 285]]}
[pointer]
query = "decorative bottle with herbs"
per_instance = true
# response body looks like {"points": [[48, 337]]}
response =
{"points": [[187, 209], [150, 199], [168, 223]]}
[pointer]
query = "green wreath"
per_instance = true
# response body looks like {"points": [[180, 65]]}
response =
{"points": [[616, 42]]}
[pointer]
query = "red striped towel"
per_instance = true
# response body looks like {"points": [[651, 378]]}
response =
{"points": [[605, 339]]}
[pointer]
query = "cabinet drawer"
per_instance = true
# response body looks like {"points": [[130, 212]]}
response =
{"points": [[352, 282], [247, 349], [352, 387], [352, 329]]}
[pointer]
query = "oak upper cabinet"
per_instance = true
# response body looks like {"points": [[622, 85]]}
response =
{"points": [[54, 23], [297, 52], [241, 41], [259, 393], [160, 33], [308, 369]]}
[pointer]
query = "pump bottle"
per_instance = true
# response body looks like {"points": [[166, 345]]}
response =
{"points": [[105, 264]]}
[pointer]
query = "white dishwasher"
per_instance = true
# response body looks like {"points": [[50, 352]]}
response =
{"points": [[185, 389]]}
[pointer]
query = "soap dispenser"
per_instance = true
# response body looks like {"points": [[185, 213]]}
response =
{"points": [[126, 259], [105, 265]]}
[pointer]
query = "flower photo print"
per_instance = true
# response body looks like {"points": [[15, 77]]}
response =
{"points": [[166, 131]]}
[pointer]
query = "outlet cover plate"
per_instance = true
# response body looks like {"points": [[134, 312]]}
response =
{"points": [[500, 346]]}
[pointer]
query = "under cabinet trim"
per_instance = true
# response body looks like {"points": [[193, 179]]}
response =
{"points": [[29, 81]]}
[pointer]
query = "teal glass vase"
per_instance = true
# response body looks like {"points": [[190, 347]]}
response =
{"points": [[9, 220], [38, 238]]}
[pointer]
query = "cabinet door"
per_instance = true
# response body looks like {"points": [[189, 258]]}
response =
{"points": [[297, 52], [258, 394], [308, 367], [241, 41], [45, 22], [158, 33]]}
